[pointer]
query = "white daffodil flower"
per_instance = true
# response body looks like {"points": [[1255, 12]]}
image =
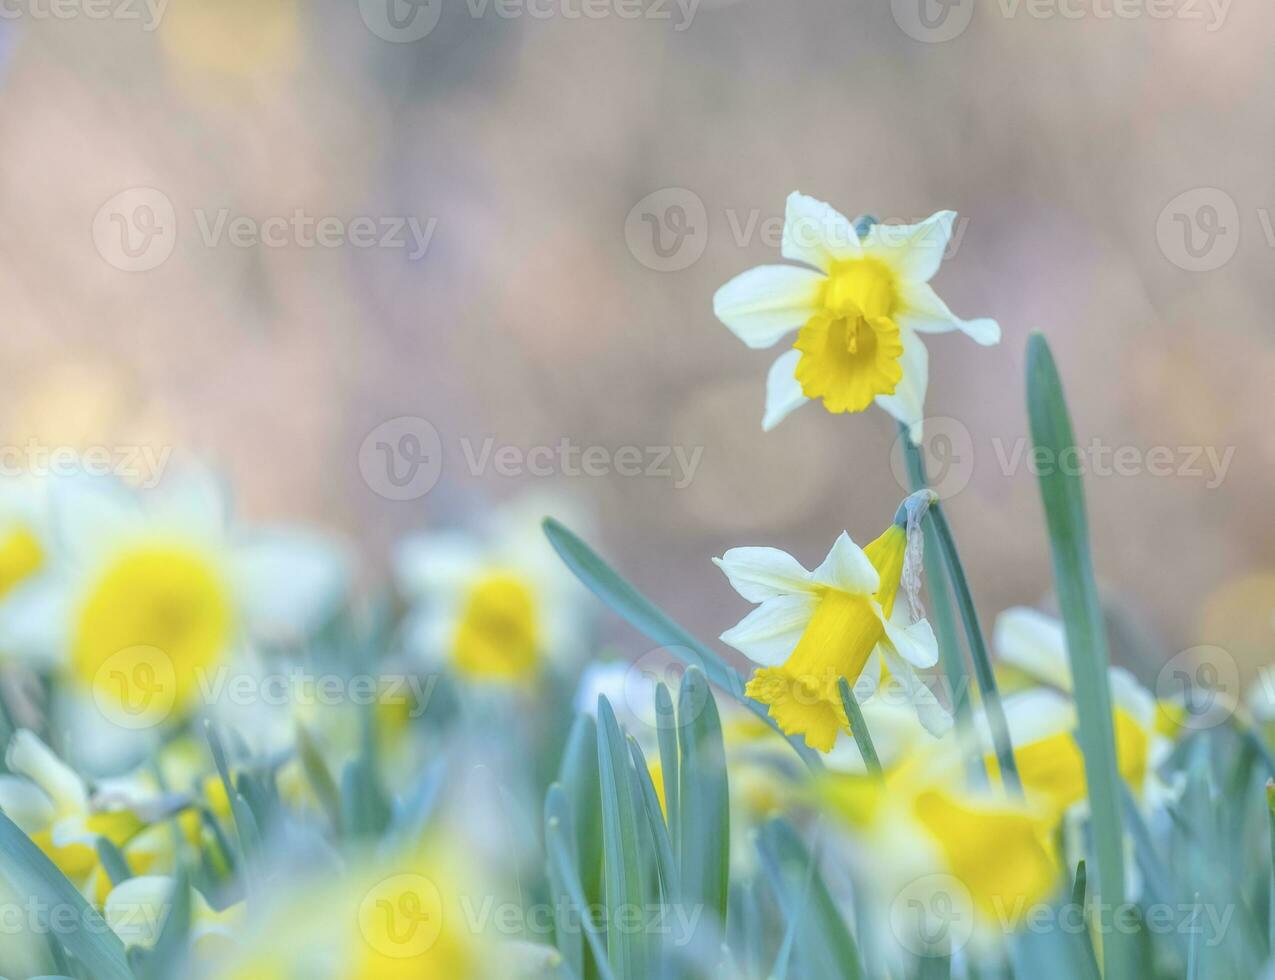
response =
{"points": [[812, 628], [136, 909], [145, 592], [860, 305], [494, 607]]}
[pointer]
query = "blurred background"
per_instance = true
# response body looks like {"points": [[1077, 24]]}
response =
{"points": [[528, 211]]}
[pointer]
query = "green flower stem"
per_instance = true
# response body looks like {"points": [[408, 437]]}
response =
{"points": [[859, 729], [986, 677], [939, 539]]}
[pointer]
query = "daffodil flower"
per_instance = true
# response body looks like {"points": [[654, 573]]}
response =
{"points": [[24, 533], [1042, 721], [136, 909], [147, 593], [496, 607], [859, 305], [812, 628], [925, 841], [394, 916], [51, 804]]}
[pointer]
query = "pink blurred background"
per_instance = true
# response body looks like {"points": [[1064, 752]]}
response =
{"points": [[533, 318]]}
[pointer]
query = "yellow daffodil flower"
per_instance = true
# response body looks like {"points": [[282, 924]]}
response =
{"points": [[859, 305], [1042, 721], [811, 628], [924, 841], [24, 530], [50, 802], [403, 918], [150, 592], [493, 607]]}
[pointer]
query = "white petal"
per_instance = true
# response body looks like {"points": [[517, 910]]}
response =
{"points": [[193, 500], [915, 644], [427, 634], [761, 305], [26, 804], [923, 311], [611, 679], [30, 757], [428, 563], [759, 574], [1038, 714], [914, 252], [933, 716], [817, 234], [769, 633], [136, 908], [907, 404], [91, 515], [847, 568], [1034, 643], [1131, 697], [289, 581], [34, 621], [783, 393]]}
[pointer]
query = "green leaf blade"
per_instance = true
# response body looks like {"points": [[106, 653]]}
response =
{"points": [[1063, 497]]}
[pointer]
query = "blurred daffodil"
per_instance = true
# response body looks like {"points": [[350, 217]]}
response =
{"points": [[859, 303], [405, 917], [147, 593], [494, 607], [24, 537], [927, 843], [137, 908], [812, 628], [51, 803], [1043, 722]]}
